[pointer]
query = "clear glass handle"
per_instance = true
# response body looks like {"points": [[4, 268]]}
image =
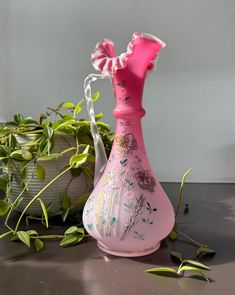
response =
{"points": [[100, 154]]}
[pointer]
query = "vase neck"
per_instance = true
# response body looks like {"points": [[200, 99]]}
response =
{"points": [[128, 93]]}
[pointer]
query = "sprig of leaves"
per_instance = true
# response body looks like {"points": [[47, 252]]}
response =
{"points": [[189, 264], [25, 140], [185, 265]]}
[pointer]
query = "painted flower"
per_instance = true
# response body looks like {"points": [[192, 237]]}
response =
{"points": [[145, 180], [126, 143]]}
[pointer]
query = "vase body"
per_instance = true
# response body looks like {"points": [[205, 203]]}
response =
{"points": [[128, 212]]}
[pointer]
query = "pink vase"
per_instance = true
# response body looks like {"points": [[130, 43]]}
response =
{"points": [[128, 212]]}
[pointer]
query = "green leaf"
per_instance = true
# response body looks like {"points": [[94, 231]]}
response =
{"points": [[44, 146], [69, 240], [176, 255], [181, 191], [162, 271], [3, 158], [48, 131], [4, 150], [98, 116], [74, 229], [86, 150], [71, 230], [4, 207], [24, 173], [78, 108], [32, 232], [40, 171], [27, 155], [21, 155], [11, 125], [173, 235], [50, 157], [196, 263], [14, 238], [65, 214], [68, 105], [29, 121], [194, 269], [206, 251], [4, 180], [78, 160], [83, 130], [44, 210], [38, 244], [96, 96], [66, 201], [29, 144], [18, 118], [81, 230], [24, 237]]}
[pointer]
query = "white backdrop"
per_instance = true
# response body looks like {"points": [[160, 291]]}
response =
{"points": [[45, 48]]}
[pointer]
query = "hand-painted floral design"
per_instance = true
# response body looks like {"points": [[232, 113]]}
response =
{"points": [[126, 144], [145, 180]]}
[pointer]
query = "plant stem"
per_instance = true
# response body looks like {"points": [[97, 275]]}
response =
{"points": [[37, 195], [190, 239], [21, 193], [181, 191], [48, 237]]}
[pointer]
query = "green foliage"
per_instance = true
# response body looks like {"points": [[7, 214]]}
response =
{"points": [[189, 264], [24, 237], [185, 265], [24, 141], [73, 236], [44, 210], [4, 207], [41, 172], [38, 244]]}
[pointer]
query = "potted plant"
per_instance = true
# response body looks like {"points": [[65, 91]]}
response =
{"points": [[48, 164]]}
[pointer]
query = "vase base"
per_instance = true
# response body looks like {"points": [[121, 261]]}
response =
{"points": [[127, 253]]}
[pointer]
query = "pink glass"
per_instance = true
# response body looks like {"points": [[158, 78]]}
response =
{"points": [[128, 212]]}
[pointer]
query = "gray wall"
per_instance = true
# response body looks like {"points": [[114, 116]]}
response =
{"points": [[45, 48]]}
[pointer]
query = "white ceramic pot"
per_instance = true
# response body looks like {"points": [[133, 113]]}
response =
{"points": [[77, 186]]}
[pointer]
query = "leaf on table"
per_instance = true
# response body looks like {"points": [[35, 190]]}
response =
{"points": [[38, 244], [24, 237], [205, 251], [163, 271], [196, 263], [196, 270], [71, 230], [71, 240]]}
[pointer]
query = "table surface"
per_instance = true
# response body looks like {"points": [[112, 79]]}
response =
{"points": [[84, 269]]}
